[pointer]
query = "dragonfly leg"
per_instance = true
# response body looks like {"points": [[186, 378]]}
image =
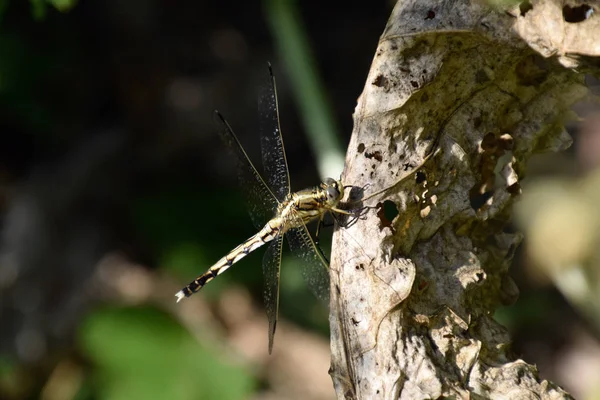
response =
{"points": [[337, 219], [317, 247], [321, 222], [355, 214], [320, 250], [340, 211]]}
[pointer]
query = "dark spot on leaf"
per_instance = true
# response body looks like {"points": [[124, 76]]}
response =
{"points": [[532, 71], [380, 81], [430, 15], [481, 77], [414, 84], [376, 155], [361, 147], [420, 177], [489, 142]]}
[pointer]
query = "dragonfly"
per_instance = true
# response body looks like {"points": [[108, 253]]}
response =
{"points": [[275, 211]]}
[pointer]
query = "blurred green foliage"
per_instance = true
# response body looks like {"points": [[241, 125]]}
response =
{"points": [[142, 353], [190, 227], [39, 7], [529, 310]]}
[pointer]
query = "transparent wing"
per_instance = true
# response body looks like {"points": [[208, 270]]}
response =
{"points": [[271, 268], [315, 268], [262, 203], [273, 152]]}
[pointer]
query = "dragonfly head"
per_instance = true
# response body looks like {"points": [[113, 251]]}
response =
{"points": [[334, 191]]}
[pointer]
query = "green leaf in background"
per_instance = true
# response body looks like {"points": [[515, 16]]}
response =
{"points": [[3, 6], [184, 258], [9, 386], [38, 7], [142, 353], [528, 311], [63, 5]]}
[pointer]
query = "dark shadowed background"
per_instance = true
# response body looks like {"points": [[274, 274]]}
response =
{"points": [[116, 191]]}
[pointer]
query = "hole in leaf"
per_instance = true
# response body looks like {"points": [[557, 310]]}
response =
{"points": [[478, 199], [577, 14], [390, 211], [525, 7]]}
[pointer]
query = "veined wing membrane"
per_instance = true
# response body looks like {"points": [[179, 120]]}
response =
{"points": [[271, 268], [315, 268], [275, 211], [271, 143], [262, 202]]}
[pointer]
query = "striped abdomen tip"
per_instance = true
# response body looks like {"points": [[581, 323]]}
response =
{"points": [[180, 295]]}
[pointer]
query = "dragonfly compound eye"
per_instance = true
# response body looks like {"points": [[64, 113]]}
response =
{"points": [[333, 192]]}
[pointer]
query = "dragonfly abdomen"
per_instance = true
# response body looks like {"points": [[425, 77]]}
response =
{"points": [[269, 232]]}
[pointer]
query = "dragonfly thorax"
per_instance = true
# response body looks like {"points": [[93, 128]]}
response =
{"points": [[308, 204]]}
